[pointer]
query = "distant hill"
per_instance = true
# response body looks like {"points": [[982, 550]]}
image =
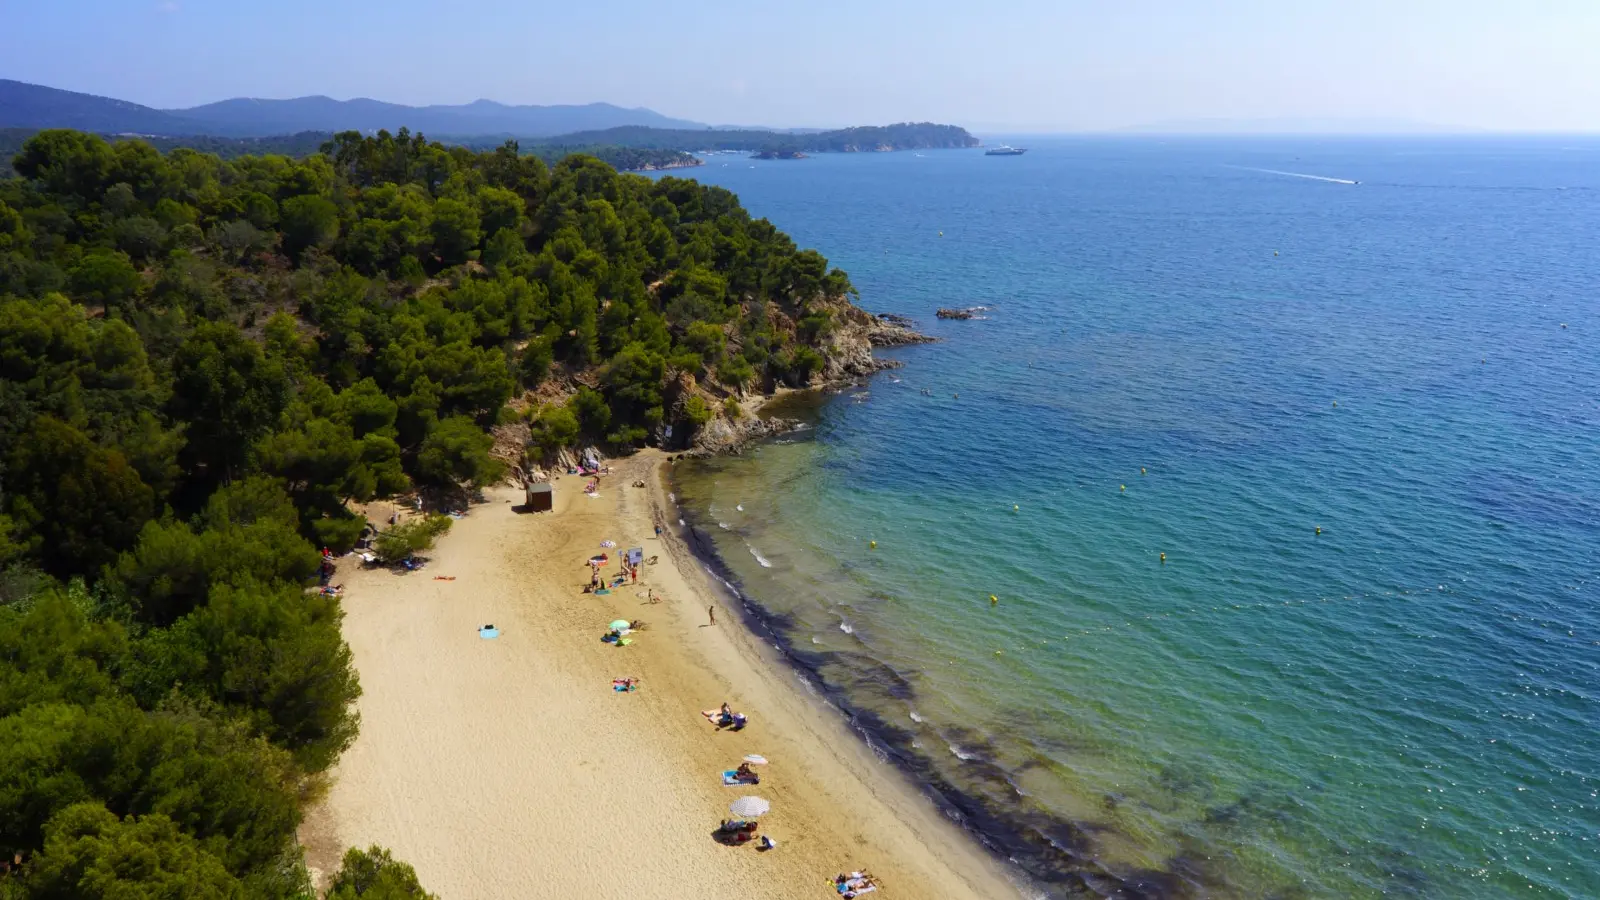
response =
{"points": [[260, 118], [24, 105]]}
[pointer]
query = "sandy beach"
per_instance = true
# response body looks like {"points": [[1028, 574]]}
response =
{"points": [[510, 768]]}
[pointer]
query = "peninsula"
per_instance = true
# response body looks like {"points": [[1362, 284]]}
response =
{"points": [[241, 393]]}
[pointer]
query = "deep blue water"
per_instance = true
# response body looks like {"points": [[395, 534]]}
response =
{"points": [[1188, 355]]}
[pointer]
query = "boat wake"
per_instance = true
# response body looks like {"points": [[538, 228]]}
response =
{"points": [[1296, 175]]}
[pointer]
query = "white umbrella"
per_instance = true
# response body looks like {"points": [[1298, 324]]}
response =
{"points": [[756, 759], [749, 807]]}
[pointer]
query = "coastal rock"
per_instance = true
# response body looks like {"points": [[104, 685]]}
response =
{"points": [[723, 436], [947, 313], [848, 349]]}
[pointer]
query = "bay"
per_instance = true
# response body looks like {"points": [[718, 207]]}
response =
{"points": [[1350, 389]]}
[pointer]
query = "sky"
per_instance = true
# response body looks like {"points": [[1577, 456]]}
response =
{"points": [[991, 65]]}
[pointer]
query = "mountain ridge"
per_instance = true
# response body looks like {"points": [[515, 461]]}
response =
{"points": [[26, 105]]}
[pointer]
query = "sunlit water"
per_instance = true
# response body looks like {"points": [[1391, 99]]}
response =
{"points": [[1192, 356]]}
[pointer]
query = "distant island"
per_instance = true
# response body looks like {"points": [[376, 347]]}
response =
{"points": [[779, 154], [865, 139]]}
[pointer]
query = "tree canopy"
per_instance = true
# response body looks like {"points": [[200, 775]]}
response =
{"points": [[205, 362]]}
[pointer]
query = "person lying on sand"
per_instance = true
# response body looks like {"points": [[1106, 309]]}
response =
{"points": [[624, 684], [746, 774]]}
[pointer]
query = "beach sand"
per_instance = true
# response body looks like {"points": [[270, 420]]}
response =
{"points": [[510, 768]]}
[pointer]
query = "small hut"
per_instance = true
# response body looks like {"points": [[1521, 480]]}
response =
{"points": [[541, 498]]}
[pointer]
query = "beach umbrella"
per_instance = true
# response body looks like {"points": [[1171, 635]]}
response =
{"points": [[599, 558], [620, 624], [749, 807], [608, 544], [756, 759]]}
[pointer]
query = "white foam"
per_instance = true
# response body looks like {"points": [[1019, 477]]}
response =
{"points": [[723, 525], [759, 558], [845, 627], [916, 718], [740, 507], [960, 753], [1297, 175]]}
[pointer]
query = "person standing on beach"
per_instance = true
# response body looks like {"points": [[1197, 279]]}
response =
{"points": [[712, 612]]}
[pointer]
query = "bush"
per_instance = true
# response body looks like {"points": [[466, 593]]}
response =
{"points": [[338, 533], [732, 409], [372, 874], [456, 451], [409, 538], [736, 373], [696, 410], [553, 429]]}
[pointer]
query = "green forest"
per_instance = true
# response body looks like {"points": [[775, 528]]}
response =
{"points": [[306, 143], [203, 362]]}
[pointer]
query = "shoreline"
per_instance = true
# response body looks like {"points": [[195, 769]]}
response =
{"points": [[1042, 853], [508, 768]]}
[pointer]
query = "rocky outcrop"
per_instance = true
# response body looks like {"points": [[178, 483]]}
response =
{"points": [[956, 313], [847, 351], [722, 436]]}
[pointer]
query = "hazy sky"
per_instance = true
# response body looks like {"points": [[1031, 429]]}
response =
{"points": [[1043, 65]]}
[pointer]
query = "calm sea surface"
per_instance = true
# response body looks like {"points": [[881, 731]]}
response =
{"points": [[1187, 354]]}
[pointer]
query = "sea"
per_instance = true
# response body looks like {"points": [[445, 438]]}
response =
{"points": [[1246, 542]]}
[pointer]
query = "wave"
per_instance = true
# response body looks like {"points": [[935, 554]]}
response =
{"points": [[846, 627], [1297, 175], [759, 558]]}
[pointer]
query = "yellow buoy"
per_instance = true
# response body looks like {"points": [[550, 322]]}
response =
{"points": [[1319, 529], [1335, 404], [1141, 470], [1163, 557], [872, 544], [1015, 508], [1124, 487], [993, 600]]}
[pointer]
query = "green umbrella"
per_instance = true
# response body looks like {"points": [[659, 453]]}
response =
{"points": [[620, 624]]}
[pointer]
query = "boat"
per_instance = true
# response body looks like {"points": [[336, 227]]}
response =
{"points": [[1005, 150]]}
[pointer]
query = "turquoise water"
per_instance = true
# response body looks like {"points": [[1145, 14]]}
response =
{"points": [[1188, 355]]}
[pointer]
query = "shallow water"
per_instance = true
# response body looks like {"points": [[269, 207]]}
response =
{"points": [[1192, 353]]}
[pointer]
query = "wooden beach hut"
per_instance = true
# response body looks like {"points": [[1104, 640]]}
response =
{"points": [[541, 497]]}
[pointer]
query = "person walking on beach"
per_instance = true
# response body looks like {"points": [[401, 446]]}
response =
{"points": [[712, 612]]}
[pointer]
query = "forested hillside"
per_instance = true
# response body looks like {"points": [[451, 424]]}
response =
{"points": [[203, 362], [306, 143]]}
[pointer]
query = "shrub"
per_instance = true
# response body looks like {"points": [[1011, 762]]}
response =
{"points": [[409, 538]]}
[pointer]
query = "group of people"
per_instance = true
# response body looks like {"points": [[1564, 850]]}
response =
{"points": [[854, 884], [725, 717]]}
